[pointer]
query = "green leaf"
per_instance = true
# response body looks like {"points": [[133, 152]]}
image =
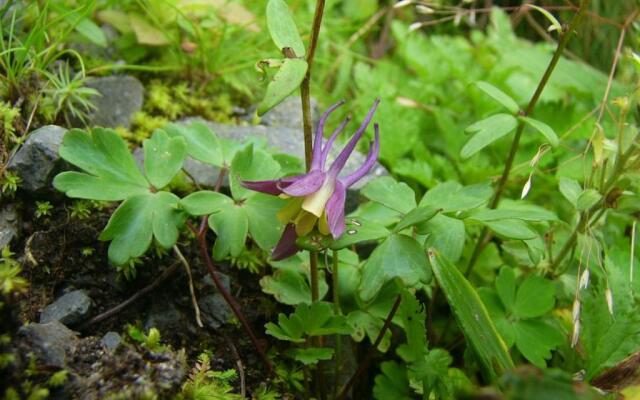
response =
{"points": [[570, 189], [445, 234], [284, 82], [392, 382], [163, 157], [205, 202], [317, 319], [117, 19], [535, 340], [366, 324], [359, 230], [498, 95], [251, 164], [231, 225], [290, 287], [535, 298], [416, 216], [146, 33], [282, 28], [264, 227], [202, 143], [472, 316], [587, 199], [452, 196], [511, 229], [395, 195], [543, 128], [486, 132], [311, 355], [413, 321], [106, 159], [506, 287], [399, 256], [555, 24], [532, 213], [137, 220], [92, 32]]}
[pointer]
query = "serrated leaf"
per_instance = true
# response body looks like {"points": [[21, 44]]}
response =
{"points": [[511, 229], [392, 382], [202, 143], [498, 95], [205, 202], [290, 287], [284, 82], [587, 199], [535, 340], [535, 298], [366, 324], [387, 191], [359, 230], [472, 316], [163, 157], [137, 220], [251, 164], [399, 256], [317, 319], [486, 132], [416, 216], [452, 196], [231, 226], [311, 355], [413, 322], [543, 128], [282, 27]]}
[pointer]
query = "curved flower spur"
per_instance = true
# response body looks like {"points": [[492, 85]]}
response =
{"points": [[317, 198]]}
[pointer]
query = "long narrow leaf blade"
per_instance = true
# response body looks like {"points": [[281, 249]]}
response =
{"points": [[472, 316]]}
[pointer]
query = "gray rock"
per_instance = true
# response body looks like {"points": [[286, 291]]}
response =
{"points": [[214, 310], [282, 139], [37, 160], [288, 114], [69, 309], [110, 341], [9, 223], [120, 97], [165, 317], [53, 343]]}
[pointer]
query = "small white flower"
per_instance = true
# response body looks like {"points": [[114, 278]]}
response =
{"points": [[609, 297], [422, 9], [526, 187], [584, 279], [576, 333], [415, 26], [403, 3], [576, 310]]}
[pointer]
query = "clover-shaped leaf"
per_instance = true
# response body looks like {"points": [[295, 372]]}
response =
{"points": [[317, 319], [163, 157], [202, 143]]}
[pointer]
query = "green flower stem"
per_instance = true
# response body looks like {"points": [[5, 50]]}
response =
{"points": [[334, 276], [338, 339], [567, 33]]}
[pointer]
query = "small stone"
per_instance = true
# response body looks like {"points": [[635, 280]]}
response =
{"points": [[165, 317], [121, 96], [215, 310], [9, 222], [52, 343], [288, 114], [69, 309], [37, 160], [110, 341]]}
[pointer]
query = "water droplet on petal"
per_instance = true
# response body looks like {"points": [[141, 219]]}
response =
{"points": [[356, 222], [352, 231]]}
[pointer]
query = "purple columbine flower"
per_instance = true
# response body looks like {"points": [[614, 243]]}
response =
{"points": [[317, 198]]}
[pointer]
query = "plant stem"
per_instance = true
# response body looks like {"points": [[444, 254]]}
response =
{"points": [[338, 338], [365, 363], [335, 281], [566, 34]]}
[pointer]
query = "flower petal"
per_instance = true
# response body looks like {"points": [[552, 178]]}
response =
{"points": [[286, 247], [316, 159], [327, 147], [335, 210], [369, 162], [341, 160], [303, 185], [269, 187]]}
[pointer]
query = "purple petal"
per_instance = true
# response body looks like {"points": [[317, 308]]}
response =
{"points": [[369, 162], [269, 187], [334, 135], [303, 185], [286, 247], [317, 145], [335, 210], [341, 160]]}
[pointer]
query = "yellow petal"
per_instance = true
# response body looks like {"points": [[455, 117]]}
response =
{"points": [[323, 225], [290, 210], [315, 202], [305, 223]]}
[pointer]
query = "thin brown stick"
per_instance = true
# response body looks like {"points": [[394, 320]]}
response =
{"points": [[115, 310], [367, 360], [192, 291]]}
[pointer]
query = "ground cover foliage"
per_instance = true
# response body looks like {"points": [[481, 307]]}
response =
{"points": [[497, 258]]}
